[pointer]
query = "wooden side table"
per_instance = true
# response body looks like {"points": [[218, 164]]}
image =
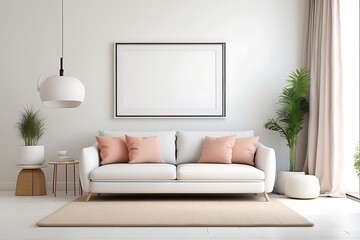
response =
{"points": [[30, 181], [65, 163]]}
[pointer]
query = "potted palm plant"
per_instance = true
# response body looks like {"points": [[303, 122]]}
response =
{"points": [[31, 127], [293, 106]]}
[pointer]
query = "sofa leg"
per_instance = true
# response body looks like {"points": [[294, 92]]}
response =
{"points": [[88, 197], [266, 197]]}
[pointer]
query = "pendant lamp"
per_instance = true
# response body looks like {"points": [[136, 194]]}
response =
{"points": [[61, 91]]}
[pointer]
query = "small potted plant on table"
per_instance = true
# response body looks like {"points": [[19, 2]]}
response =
{"points": [[31, 127]]}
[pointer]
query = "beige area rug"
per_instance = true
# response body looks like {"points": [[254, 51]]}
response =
{"points": [[174, 212]]}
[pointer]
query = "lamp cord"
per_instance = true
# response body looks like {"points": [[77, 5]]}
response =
{"points": [[62, 28], [62, 39]]}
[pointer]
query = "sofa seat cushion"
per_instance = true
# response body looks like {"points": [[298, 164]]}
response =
{"points": [[141, 171], [213, 171]]}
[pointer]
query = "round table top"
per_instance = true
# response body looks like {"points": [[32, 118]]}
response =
{"points": [[35, 166], [63, 162]]}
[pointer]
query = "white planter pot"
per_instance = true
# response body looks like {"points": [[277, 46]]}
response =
{"points": [[281, 179], [32, 155]]}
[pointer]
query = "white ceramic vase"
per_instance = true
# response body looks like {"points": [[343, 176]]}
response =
{"points": [[32, 155], [281, 179]]}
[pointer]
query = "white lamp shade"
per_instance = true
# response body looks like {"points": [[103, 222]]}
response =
{"points": [[61, 91]]}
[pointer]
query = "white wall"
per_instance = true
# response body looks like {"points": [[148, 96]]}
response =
{"points": [[264, 43]]}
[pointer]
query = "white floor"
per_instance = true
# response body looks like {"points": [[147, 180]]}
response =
{"points": [[333, 219]]}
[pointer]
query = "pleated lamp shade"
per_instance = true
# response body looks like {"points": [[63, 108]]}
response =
{"points": [[61, 91]]}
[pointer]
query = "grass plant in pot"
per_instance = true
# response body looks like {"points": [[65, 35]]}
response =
{"points": [[31, 128], [293, 106]]}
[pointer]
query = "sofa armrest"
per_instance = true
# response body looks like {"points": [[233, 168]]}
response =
{"points": [[89, 160], [265, 160]]}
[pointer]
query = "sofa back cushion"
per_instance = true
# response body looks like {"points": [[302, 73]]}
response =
{"points": [[190, 143], [166, 140]]}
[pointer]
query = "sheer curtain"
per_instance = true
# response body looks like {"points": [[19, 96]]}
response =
{"points": [[325, 127], [349, 16]]}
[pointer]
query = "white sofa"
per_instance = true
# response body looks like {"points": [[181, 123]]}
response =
{"points": [[180, 173]]}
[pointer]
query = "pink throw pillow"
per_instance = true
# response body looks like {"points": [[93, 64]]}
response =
{"points": [[244, 150], [143, 149], [112, 149], [217, 150]]}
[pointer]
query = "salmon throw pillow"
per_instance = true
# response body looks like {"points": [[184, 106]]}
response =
{"points": [[112, 149], [143, 149], [244, 150], [217, 150]]}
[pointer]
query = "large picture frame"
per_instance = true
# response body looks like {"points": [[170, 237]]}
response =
{"points": [[169, 80]]}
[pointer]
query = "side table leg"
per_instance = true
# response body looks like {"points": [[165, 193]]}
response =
{"points": [[80, 188], [66, 179], [74, 181], [55, 183]]}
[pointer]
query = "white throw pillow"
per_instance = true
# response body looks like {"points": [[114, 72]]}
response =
{"points": [[189, 143], [166, 141]]}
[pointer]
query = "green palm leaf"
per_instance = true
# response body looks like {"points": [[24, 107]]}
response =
{"points": [[293, 106]]}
